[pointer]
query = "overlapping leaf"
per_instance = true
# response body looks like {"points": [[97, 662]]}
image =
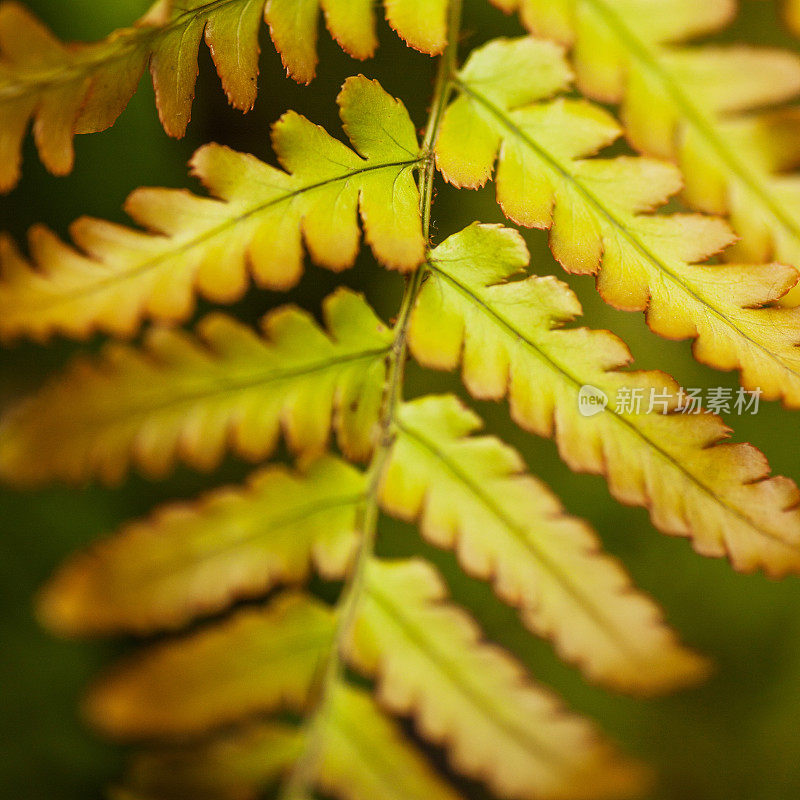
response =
{"points": [[428, 660], [254, 225], [365, 756], [473, 698], [77, 88], [509, 337], [190, 560], [257, 661], [191, 397], [692, 104], [473, 495], [597, 209]]}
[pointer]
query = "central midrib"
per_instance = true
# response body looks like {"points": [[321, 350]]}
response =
{"points": [[244, 385], [156, 573]]}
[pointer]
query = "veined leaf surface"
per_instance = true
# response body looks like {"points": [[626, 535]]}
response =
{"points": [[597, 213], [192, 397], [190, 560], [702, 106], [366, 755], [509, 338], [473, 698], [255, 225], [217, 676], [472, 494], [78, 88]]}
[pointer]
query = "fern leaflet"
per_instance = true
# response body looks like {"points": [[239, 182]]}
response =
{"points": [[275, 690], [257, 226], [594, 210], [509, 337], [472, 494], [366, 755], [188, 561], [69, 89], [688, 103], [463, 694], [193, 397]]}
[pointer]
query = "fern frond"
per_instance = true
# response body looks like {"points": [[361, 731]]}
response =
{"points": [[473, 495], [193, 396], [428, 659], [255, 224], [473, 698], [217, 676], [596, 212], [696, 105], [509, 337], [470, 493], [67, 89], [365, 755], [191, 560]]}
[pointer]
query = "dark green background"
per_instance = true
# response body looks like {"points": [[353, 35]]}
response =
{"points": [[736, 738]]}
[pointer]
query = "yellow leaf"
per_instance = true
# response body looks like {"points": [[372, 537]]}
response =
{"points": [[366, 757], [256, 661], [699, 105], [472, 494], [192, 397], [191, 560], [792, 12], [64, 88], [293, 25], [509, 338], [255, 224], [597, 211], [82, 88], [473, 698]]}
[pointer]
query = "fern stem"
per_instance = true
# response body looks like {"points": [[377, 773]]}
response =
{"points": [[301, 779]]}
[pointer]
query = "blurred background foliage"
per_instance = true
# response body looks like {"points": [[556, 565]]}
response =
{"points": [[736, 738]]}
